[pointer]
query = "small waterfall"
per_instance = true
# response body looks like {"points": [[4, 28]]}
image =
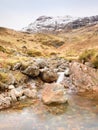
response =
{"points": [[62, 74], [61, 77]]}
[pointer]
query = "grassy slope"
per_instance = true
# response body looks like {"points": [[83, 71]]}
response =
{"points": [[17, 45], [79, 40]]}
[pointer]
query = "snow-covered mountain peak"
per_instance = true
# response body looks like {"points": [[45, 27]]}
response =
{"points": [[48, 24]]}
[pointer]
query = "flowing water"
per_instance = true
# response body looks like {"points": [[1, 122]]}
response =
{"points": [[61, 77], [80, 114]]}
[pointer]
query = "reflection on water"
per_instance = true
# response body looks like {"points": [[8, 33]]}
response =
{"points": [[79, 114]]}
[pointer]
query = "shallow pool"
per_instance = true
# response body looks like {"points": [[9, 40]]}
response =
{"points": [[80, 114]]}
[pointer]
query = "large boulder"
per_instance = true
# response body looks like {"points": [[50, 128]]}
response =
{"points": [[54, 93], [83, 77], [49, 75]]}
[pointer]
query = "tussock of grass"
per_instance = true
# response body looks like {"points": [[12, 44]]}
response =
{"points": [[19, 77], [4, 77], [34, 53], [90, 56], [2, 49]]}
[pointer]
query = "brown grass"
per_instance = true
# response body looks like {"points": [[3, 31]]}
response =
{"points": [[68, 45]]}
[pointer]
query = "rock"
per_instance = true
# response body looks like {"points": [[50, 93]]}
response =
{"points": [[11, 87], [22, 98], [67, 72], [54, 93], [11, 79], [89, 64], [5, 102], [32, 71], [8, 101], [30, 93], [24, 65], [14, 94], [31, 86], [83, 77], [41, 63], [49, 75], [16, 66]]}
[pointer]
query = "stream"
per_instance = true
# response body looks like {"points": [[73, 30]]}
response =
{"points": [[80, 113]]}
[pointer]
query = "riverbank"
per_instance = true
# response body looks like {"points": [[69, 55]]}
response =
{"points": [[37, 78]]}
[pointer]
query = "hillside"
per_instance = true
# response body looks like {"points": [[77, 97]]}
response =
{"points": [[68, 45], [29, 61]]}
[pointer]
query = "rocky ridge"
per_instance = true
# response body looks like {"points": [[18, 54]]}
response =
{"points": [[47, 24]]}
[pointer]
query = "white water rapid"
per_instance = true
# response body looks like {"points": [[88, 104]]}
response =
{"points": [[62, 74], [61, 77]]}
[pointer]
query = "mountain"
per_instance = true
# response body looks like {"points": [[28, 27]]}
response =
{"points": [[47, 24]]}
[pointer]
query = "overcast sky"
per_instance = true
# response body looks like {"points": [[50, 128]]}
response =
{"points": [[17, 14]]}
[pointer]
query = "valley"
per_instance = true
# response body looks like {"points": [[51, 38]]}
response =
{"points": [[56, 70]]}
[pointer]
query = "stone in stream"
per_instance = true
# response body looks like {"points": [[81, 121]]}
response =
{"points": [[11, 87], [48, 75], [54, 93], [83, 77]]}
